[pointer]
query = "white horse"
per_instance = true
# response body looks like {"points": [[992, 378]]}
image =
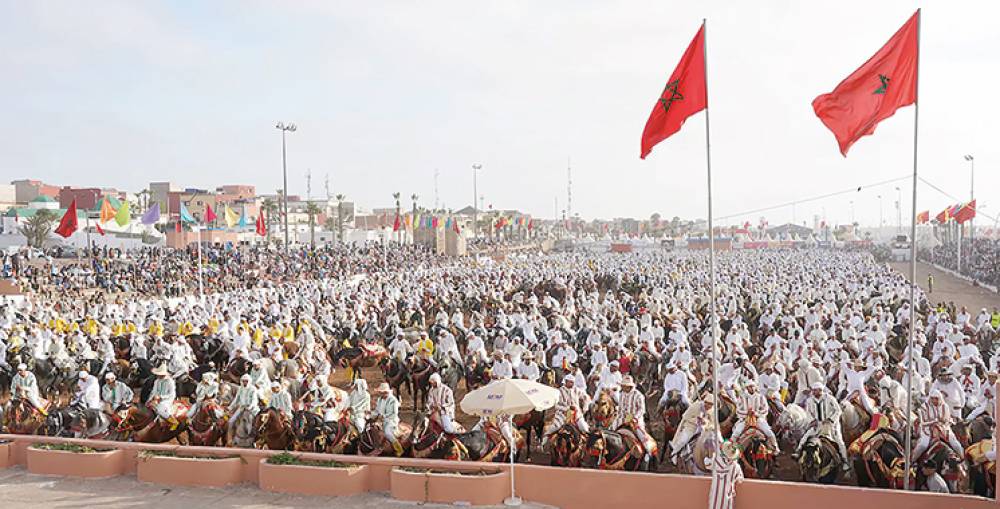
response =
{"points": [[792, 425]]}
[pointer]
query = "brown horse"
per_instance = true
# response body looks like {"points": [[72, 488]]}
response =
{"points": [[372, 440], [355, 358], [604, 410], [756, 457], [533, 421], [567, 446], [273, 431], [22, 418], [672, 412], [617, 450], [208, 425], [396, 374], [141, 424]]}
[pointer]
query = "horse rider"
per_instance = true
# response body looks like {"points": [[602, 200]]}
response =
{"points": [[208, 388], [88, 393], [675, 381], [528, 369], [280, 400], [387, 409], [448, 347], [360, 404], [697, 418], [400, 348], [951, 391], [573, 404], [935, 420], [808, 374], [771, 384], [502, 367], [610, 381], [162, 396], [260, 379], [321, 393], [825, 412], [987, 404], [632, 411], [245, 400], [425, 349], [477, 347], [25, 386], [441, 404], [752, 409], [853, 384], [115, 394]]}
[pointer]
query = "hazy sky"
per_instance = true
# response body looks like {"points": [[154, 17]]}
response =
{"points": [[119, 93]]}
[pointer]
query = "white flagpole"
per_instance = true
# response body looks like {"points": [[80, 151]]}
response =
{"points": [[913, 272], [713, 318]]}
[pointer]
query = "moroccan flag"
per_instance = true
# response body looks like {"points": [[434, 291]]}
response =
{"points": [[685, 94], [531, 223], [873, 93], [261, 225], [177, 226], [107, 211], [99, 229], [943, 216], [210, 216], [967, 212], [395, 224], [124, 215], [924, 217], [454, 226], [68, 223]]}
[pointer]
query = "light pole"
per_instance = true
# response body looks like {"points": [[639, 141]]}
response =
{"points": [[881, 216], [289, 128], [475, 195], [972, 193], [899, 211]]}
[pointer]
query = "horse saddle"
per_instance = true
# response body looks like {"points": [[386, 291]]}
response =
{"points": [[640, 447]]}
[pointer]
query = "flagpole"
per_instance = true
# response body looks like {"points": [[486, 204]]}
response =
{"points": [[913, 271], [713, 318]]}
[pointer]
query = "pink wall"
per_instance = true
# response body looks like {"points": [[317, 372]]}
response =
{"points": [[578, 488]]}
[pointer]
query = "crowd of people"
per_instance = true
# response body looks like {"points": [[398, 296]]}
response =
{"points": [[812, 360], [980, 259]]}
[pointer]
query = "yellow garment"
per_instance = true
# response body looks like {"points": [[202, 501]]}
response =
{"points": [[258, 337], [130, 328], [425, 346], [213, 326], [289, 333], [275, 332]]}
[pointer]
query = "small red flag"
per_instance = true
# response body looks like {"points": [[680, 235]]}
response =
{"points": [[68, 223], [395, 224], [531, 223], [684, 95], [99, 229], [177, 226], [873, 93], [924, 217], [454, 226], [261, 225], [967, 212], [943, 216], [17, 218], [210, 216]]}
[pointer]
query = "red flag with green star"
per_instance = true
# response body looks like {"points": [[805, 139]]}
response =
{"points": [[684, 95], [873, 93]]}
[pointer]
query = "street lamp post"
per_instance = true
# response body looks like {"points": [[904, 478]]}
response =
{"points": [[972, 193], [285, 128], [881, 216], [475, 195], [899, 211]]}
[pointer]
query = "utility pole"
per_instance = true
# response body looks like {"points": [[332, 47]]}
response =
{"points": [[569, 189], [326, 184], [436, 173], [309, 187]]}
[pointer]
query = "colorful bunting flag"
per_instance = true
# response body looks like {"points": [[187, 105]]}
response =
{"points": [[185, 215], [210, 216], [230, 217], [107, 211], [124, 215], [152, 215], [261, 225]]}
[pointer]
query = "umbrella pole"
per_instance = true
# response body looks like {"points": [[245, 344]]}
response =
{"points": [[513, 501]]}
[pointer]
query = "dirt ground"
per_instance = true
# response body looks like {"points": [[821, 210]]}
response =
{"points": [[948, 288]]}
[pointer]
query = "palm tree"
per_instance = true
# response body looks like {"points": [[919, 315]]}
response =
{"points": [[312, 210], [38, 227], [269, 207], [340, 216]]}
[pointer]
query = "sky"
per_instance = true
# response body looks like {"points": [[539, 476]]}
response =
{"points": [[385, 94]]}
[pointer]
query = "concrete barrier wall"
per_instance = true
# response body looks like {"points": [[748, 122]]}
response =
{"points": [[566, 488]]}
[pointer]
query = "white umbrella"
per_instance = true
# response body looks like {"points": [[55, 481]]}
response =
{"points": [[510, 397]]}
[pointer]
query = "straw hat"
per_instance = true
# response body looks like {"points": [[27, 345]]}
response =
{"points": [[383, 388], [161, 370]]}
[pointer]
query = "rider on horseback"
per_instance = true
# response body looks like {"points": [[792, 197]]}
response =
{"points": [[632, 412], [207, 389], [387, 409], [115, 394], [825, 412], [752, 410], [573, 402], [88, 395], [24, 386], [360, 404], [161, 398], [441, 404], [245, 400], [280, 400], [934, 421], [697, 418]]}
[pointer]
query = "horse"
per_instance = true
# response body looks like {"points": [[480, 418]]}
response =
{"points": [[819, 460], [756, 455], [397, 374], [673, 410], [309, 431], [430, 441], [982, 471], [451, 372], [420, 375], [22, 418], [604, 410], [881, 460], [617, 450], [567, 446], [356, 358], [372, 442], [141, 424], [273, 431], [854, 420], [533, 421], [477, 373], [208, 425], [953, 468], [791, 425], [693, 458], [244, 432]]}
